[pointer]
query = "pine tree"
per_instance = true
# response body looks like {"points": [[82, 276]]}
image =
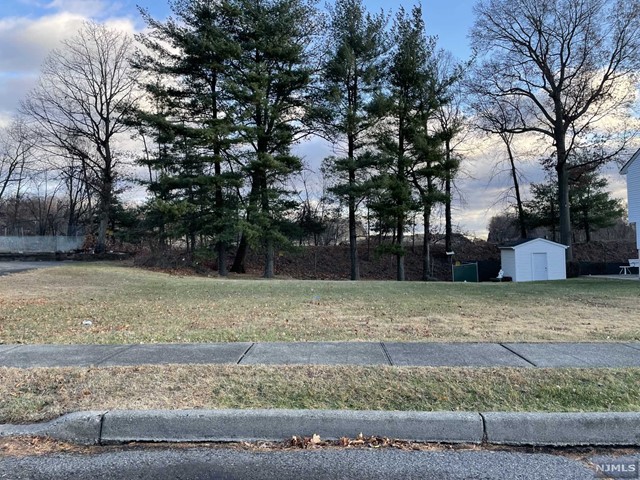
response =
{"points": [[410, 83], [187, 59], [592, 204], [589, 198], [271, 79], [542, 210], [352, 76]]}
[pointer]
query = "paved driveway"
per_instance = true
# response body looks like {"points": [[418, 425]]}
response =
{"points": [[17, 266]]}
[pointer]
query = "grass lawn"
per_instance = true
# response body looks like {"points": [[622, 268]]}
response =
{"points": [[44, 393], [129, 305]]}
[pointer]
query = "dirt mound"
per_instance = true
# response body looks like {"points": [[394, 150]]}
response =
{"points": [[332, 262], [605, 252]]}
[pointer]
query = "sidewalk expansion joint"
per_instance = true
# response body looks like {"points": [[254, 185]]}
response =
{"points": [[245, 354], [631, 346], [116, 353], [517, 354], [15, 347], [386, 353]]}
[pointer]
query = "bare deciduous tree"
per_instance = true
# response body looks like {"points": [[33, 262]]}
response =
{"points": [[452, 129], [561, 65], [84, 94], [495, 117], [15, 150]]}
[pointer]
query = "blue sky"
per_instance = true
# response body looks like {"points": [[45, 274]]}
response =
{"points": [[449, 20], [29, 29]]}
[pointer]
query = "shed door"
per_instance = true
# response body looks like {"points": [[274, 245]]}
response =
{"points": [[540, 266]]}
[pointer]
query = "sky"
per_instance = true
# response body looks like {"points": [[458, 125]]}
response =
{"points": [[29, 29]]}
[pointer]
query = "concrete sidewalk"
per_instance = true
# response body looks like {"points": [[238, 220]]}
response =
{"points": [[328, 353]]}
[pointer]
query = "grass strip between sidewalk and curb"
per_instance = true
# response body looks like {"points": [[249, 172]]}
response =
{"points": [[41, 394]]}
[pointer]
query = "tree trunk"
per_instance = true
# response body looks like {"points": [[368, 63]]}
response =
{"points": [[401, 202], [563, 191], [587, 230], [193, 242], [400, 259], [516, 187], [72, 223], [448, 232], [426, 248], [368, 235], [269, 271], [241, 254], [219, 197], [101, 241], [413, 235], [563, 202], [353, 234], [105, 206], [448, 227], [353, 96], [222, 259]]}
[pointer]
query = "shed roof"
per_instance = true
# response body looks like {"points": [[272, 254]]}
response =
{"points": [[634, 157], [519, 243]]}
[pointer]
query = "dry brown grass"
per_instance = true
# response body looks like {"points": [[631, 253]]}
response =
{"points": [[128, 305], [27, 446], [44, 393]]}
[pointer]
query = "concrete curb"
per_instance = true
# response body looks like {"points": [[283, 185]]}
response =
{"points": [[276, 425], [542, 429], [83, 428], [563, 429]]}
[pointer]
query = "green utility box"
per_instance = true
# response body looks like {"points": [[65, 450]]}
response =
{"points": [[467, 272]]}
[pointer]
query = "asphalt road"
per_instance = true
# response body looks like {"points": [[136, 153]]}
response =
{"points": [[220, 463]]}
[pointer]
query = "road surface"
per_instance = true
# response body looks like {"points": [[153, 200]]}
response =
{"points": [[162, 463]]}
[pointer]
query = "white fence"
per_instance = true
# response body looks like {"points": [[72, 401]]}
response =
{"points": [[40, 244]]}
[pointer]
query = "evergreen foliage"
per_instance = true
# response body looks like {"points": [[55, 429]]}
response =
{"points": [[591, 202], [352, 77]]}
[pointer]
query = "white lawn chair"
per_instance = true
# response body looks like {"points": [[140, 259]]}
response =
{"points": [[624, 269]]}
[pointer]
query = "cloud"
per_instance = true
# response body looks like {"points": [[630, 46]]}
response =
{"points": [[12, 90], [28, 41], [313, 151], [31, 40], [86, 8]]}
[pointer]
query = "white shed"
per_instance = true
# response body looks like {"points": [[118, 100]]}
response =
{"points": [[632, 170], [534, 259]]}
